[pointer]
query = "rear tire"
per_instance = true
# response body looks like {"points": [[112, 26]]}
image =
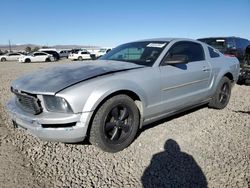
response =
{"points": [[48, 60], [80, 58], [222, 94], [3, 59], [27, 61], [115, 124]]}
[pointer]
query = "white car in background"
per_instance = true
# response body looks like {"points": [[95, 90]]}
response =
{"points": [[36, 57], [80, 55], [10, 57], [102, 52]]}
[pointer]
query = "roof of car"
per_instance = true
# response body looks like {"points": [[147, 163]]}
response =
{"points": [[221, 37], [165, 39]]}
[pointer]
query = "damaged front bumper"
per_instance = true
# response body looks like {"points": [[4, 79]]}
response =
{"points": [[51, 126]]}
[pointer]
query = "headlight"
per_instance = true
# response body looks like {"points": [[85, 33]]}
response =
{"points": [[56, 104]]}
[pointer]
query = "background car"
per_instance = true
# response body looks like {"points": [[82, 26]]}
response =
{"points": [[80, 55], [53, 52], [36, 57], [102, 52], [64, 53], [10, 57]]}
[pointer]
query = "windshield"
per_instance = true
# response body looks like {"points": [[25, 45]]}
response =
{"points": [[143, 53]]}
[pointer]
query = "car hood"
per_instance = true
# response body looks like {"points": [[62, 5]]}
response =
{"points": [[52, 80]]}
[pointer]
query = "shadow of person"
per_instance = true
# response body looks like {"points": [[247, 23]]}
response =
{"points": [[173, 168]]}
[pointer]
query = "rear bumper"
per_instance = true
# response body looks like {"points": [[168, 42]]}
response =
{"points": [[34, 124]]}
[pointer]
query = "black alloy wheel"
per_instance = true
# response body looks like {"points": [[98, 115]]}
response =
{"points": [[118, 122], [224, 93]]}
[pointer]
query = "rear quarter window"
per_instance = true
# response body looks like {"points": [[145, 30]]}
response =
{"points": [[213, 53]]}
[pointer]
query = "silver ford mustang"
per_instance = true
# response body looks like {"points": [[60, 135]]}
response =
{"points": [[109, 99]]}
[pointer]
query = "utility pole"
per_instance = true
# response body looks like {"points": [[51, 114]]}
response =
{"points": [[9, 46]]}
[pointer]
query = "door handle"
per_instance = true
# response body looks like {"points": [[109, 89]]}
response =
{"points": [[205, 69]]}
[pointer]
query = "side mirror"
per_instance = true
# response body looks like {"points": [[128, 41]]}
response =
{"points": [[176, 59]]}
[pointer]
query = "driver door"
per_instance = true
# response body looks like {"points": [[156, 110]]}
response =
{"points": [[183, 85]]}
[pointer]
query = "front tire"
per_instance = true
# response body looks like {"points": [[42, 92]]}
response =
{"points": [[115, 124], [222, 94], [80, 58], [3, 59]]}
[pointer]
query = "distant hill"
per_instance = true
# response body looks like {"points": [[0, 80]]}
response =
{"points": [[21, 47]]}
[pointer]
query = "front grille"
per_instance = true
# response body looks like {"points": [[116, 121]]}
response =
{"points": [[29, 103]]}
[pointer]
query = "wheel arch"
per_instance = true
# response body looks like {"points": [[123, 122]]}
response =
{"points": [[222, 74], [132, 94], [229, 75]]}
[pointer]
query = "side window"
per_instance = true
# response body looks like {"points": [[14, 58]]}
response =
{"points": [[213, 53], [14, 54], [38, 54], [192, 50]]}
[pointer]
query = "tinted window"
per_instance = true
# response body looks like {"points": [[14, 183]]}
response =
{"points": [[39, 54], [230, 43], [84, 53], [193, 51], [218, 43], [213, 53], [13, 54], [242, 43], [49, 52]]}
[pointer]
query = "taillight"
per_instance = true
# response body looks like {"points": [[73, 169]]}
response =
{"points": [[229, 55]]}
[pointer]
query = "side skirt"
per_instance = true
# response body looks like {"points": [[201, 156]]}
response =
{"points": [[171, 113]]}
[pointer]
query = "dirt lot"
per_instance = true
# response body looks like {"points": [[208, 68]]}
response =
{"points": [[203, 147]]}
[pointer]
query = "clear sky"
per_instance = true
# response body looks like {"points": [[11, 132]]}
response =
{"points": [[111, 22]]}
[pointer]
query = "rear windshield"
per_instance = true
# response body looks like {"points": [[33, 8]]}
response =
{"points": [[221, 44], [218, 43]]}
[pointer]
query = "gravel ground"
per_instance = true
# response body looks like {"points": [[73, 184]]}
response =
{"points": [[203, 147]]}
